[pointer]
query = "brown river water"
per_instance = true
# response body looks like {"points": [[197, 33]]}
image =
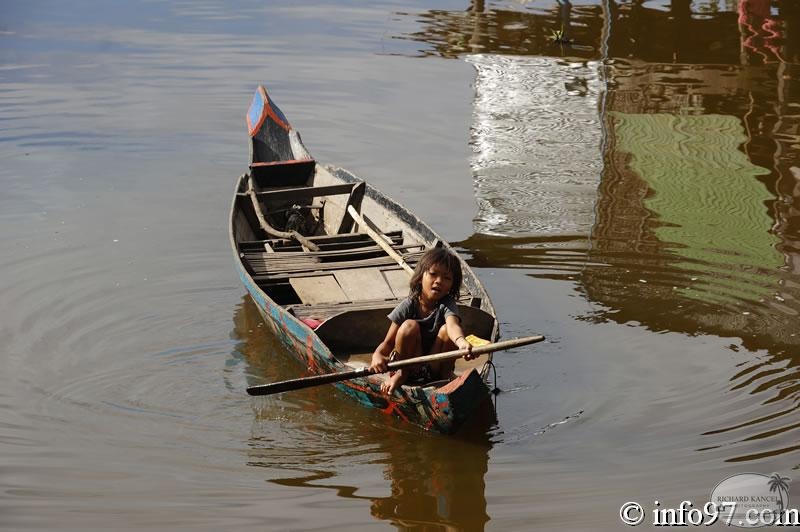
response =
{"points": [[631, 191]]}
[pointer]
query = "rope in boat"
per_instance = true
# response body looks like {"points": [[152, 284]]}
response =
{"points": [[495, 389]]}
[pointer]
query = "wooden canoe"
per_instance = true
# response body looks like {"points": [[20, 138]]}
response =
{"points": [[325, 287]]}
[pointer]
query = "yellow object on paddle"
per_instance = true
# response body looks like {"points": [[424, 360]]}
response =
{"points": [[475, 341]]}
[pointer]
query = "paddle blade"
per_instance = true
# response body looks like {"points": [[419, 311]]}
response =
{"points": [[306, 382]]}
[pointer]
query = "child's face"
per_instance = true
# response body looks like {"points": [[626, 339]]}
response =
{"points": [[436, 282]]}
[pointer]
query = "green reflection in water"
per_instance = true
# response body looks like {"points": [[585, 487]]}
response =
{"points": [[710, 207]]}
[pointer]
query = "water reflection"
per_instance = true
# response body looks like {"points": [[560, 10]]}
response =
{"points": [[534, 137], [647, 153], [486, 27], [432, 485], [703, 207], [307, 438]]}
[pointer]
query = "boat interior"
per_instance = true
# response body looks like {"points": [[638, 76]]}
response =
{"points": [[327, 247], [307, 253], [355, 348]]}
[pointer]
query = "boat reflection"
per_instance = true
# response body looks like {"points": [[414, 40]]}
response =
{"points": [[308, 438], [433, 487]]}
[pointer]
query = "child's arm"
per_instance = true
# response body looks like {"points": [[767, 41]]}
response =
{"points": [[456, 334], [381, 355]]}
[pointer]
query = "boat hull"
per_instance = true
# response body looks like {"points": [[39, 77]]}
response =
{"points": [[443, 409], [305, 292]]}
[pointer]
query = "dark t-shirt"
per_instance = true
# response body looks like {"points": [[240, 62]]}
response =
{"points": [[429, 326]]}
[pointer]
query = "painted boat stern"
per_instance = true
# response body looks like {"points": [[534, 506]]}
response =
{"points": [[456, 401]]}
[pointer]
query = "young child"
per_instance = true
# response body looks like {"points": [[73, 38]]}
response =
{"points": [[426, 322]]}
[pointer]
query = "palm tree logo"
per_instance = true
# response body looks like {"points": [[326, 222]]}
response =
{"points": [[781, 486]]}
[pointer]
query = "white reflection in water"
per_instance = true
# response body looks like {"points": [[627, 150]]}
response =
{"points": [[536, 139]]}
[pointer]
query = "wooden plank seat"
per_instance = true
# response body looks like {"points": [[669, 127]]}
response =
{"points": [[356, 284], [261, 274], [397, 279], [297, 193], [364, 283], [264, 262], [319, 289], [292, 246], [322, 311], [324, 242], [301, 260]]}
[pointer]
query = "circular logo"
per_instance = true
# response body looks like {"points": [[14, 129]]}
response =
{"points": [[751, 500]]}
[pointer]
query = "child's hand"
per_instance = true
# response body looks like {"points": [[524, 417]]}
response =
{"points": [[464, 344], [378, 364]]}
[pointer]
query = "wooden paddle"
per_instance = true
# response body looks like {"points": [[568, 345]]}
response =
{"points": [[316, 380], [375, 234]]}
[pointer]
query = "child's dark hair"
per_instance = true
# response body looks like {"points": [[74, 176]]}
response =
{"points": [[442, 257]]}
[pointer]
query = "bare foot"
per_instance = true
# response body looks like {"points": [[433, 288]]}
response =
{"points": [[392, 383]]}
